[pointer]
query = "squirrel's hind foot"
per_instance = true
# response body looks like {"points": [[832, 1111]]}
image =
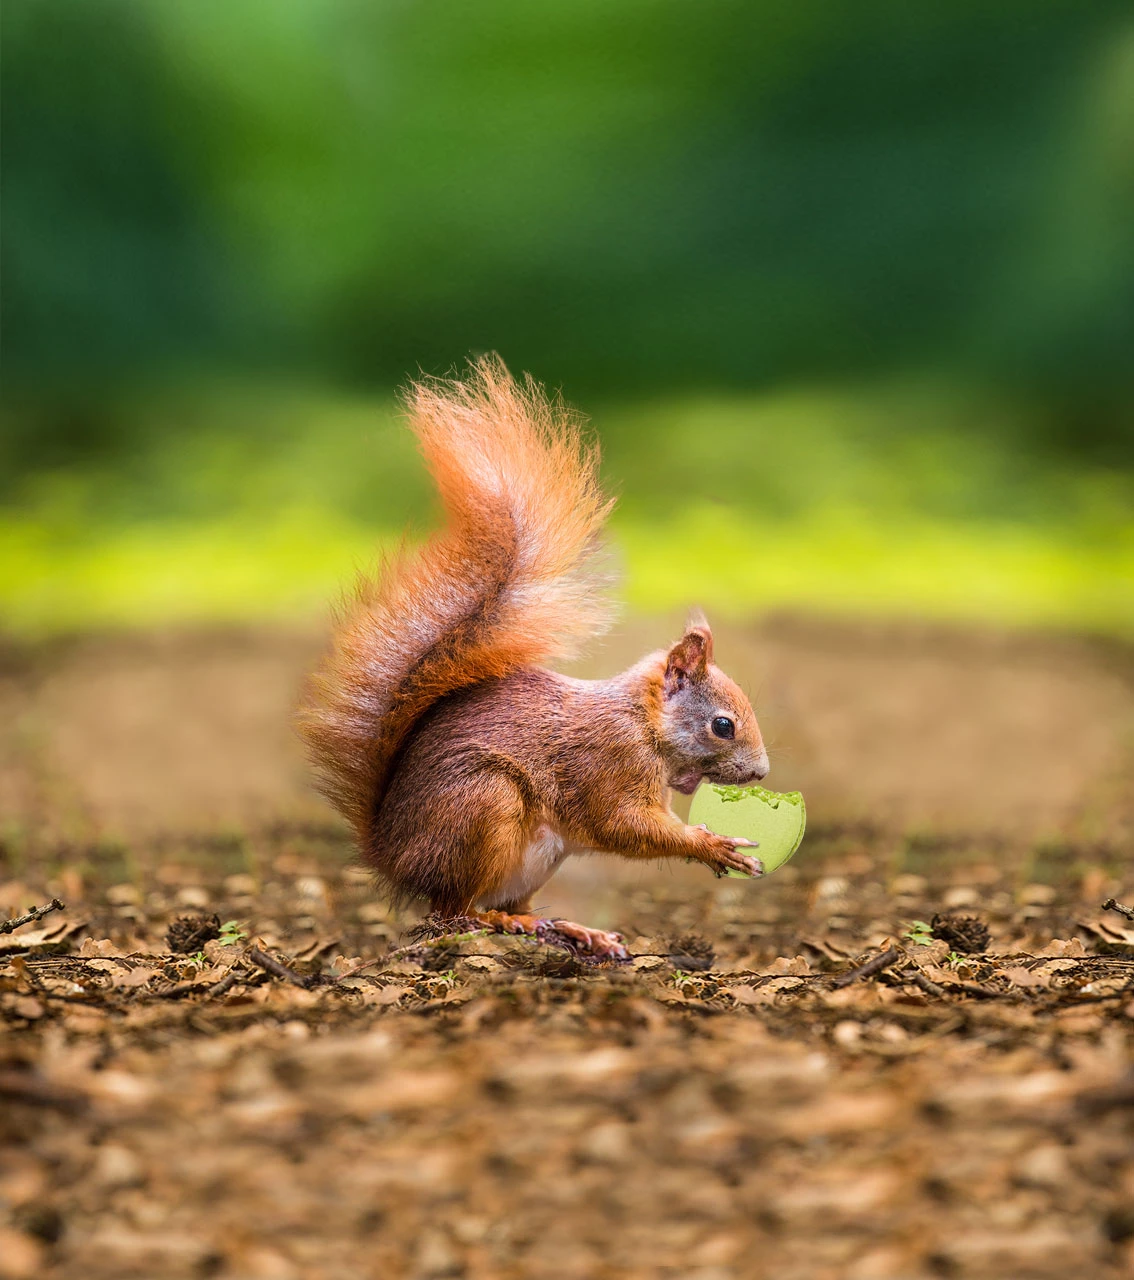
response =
{"points": [[596, 943], [593, 942]]}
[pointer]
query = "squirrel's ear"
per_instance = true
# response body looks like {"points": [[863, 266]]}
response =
{"points": [[689, 657]]}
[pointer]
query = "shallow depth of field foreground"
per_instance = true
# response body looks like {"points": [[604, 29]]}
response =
{"points": [[837, 1072]]}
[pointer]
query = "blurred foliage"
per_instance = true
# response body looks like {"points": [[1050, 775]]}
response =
{"points": [[848, 289], [630, 198], [245, 503]]}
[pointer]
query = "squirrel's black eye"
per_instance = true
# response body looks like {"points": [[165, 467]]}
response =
{"points": [[723, 727]]}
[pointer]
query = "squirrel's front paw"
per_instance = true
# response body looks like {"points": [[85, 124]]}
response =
{"points": [[723, 854]]}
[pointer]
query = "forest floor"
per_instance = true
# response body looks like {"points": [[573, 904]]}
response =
{"points": [[830, 1073]]}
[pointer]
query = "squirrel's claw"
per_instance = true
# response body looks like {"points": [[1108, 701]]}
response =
{"points": [[751, 866], [597, 942], [728, 857]]}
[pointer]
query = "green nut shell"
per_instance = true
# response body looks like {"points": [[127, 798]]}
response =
{"points": [[775, 820]]}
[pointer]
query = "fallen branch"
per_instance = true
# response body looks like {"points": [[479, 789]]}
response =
{"points": [[195, 988], [177, 991], [278, 970], [224, 986], [877, 964], [920, 980], [36, 913], [977, 992], [1120, 907]]}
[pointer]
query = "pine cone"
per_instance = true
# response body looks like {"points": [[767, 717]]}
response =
{"points": [[188, 934]]}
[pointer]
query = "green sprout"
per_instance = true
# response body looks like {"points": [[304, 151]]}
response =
{"points": [[920, 933], [231, 933]]}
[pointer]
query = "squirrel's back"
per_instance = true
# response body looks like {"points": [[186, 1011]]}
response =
{"points": [[512, 580]]}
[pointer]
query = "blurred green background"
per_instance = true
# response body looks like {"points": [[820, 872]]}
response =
{"points": [[848, 291]]}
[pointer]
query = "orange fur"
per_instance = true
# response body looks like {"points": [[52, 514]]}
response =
{"points": [[511, 582], [467, 770]]}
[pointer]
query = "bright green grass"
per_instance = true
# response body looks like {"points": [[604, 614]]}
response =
{"points": [[891, 504]]}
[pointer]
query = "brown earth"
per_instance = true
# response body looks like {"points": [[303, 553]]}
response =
{"points": [[1019, 737], [736, 1102]]}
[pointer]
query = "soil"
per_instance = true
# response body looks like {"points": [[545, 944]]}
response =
{"points": [[223, 1056]]}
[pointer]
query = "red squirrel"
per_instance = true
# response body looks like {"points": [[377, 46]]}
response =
{"points": [[466, 768]]}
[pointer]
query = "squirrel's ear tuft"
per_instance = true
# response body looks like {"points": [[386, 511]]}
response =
{"points": [[690, 656]]}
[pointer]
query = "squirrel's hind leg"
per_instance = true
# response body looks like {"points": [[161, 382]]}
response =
{"points": [[509, 906], [460, 848], [480, 855]]}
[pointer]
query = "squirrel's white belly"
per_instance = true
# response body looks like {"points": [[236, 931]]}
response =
{"points": [[537, 865]]}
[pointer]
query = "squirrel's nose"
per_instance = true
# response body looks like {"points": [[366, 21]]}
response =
{"points": [[761, 766]]}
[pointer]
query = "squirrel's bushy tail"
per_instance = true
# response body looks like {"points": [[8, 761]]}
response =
{"points": [[511, 581]]}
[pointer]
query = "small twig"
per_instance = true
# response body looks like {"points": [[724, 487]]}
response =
{"points": [[977, 992], [873, 966], [278, 970], [36, 913], [920, 980], [225, 985], [177, 991], [22, 969], [1120, 907], [439, 941], [436, 928], [358, 968]]}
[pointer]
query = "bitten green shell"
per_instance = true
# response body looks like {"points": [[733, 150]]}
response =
{"points": [[775, 820]]}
